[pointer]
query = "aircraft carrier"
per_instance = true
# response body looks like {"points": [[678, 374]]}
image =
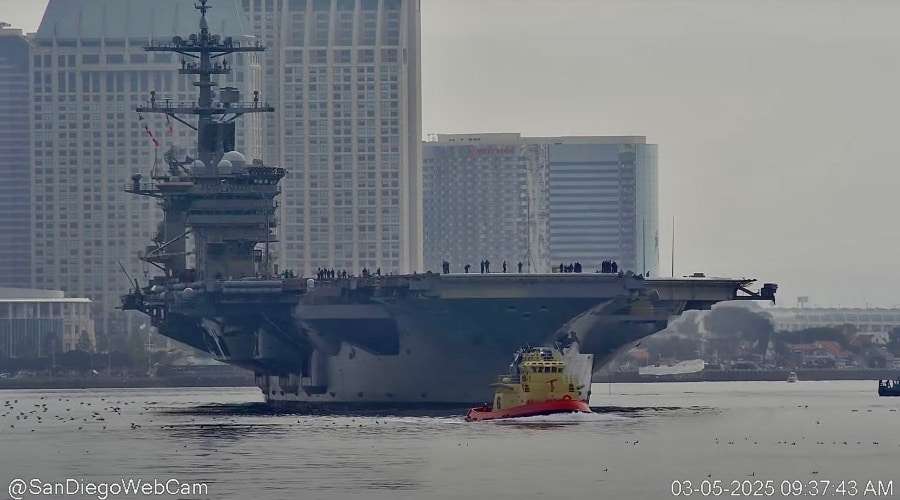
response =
{"points": [[420, 338]]}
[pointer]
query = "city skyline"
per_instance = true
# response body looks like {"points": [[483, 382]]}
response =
{"points": [[762, 134], [541, 201]]}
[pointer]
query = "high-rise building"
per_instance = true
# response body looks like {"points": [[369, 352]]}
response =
{"points": [[604, 203], [344, 76], [15, 158], [89, 73], [485, 197], [542, 201]]}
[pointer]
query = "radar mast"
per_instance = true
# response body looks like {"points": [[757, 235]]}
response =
{"points": [[203, 55], [222, 201]]}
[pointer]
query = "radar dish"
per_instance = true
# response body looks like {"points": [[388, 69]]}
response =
{"points": [[235, 157]]}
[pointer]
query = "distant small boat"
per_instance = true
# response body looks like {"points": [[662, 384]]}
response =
{"points": [[889, 388], [792, 377]]}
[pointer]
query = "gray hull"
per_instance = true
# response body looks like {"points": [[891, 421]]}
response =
{"points": [[448, 342], [422, 374], [426, 339]]}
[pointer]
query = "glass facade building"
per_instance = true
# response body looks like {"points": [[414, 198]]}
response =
{"points": [[603, 204], [15, 159]]}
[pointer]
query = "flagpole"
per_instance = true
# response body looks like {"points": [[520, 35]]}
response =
{"points": [[673, 246], [644, 244]]}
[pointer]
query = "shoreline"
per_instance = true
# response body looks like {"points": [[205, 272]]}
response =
{"points": [[231, 380], [102, 382], [750, 376]]}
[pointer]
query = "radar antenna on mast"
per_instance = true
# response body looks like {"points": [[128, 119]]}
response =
{"points": [[202, 7], [215, 111], [222, 199]]}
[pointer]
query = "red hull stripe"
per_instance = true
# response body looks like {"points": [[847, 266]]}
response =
{"points": [[530, 410]]}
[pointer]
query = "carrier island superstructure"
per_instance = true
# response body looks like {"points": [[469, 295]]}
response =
{"points": [[420, 338]]}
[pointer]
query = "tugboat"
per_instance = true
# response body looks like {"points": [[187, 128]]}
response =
{"points": [[889, 388], [537, 384]]}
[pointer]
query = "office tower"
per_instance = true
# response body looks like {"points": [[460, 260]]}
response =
{"points": [[603, 203], [89, 73], [15, 159], [544, 201], [344, 77], [485, 198]]}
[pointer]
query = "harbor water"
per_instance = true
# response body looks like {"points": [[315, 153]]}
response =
{"points": [[644, 437]]}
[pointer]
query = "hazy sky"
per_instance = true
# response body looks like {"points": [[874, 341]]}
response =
{"points": [[776, 120]]}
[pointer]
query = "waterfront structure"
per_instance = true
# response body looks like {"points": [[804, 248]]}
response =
{"points": [[89, 73], [344, 77], [15, 158], [543, 201], [874, 321], [38, 323]]}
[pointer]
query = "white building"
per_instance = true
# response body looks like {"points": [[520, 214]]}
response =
{"points": [[36, 323], [15, 158], [541, 201], [876, 321], [344, 76], [89, 73]]}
